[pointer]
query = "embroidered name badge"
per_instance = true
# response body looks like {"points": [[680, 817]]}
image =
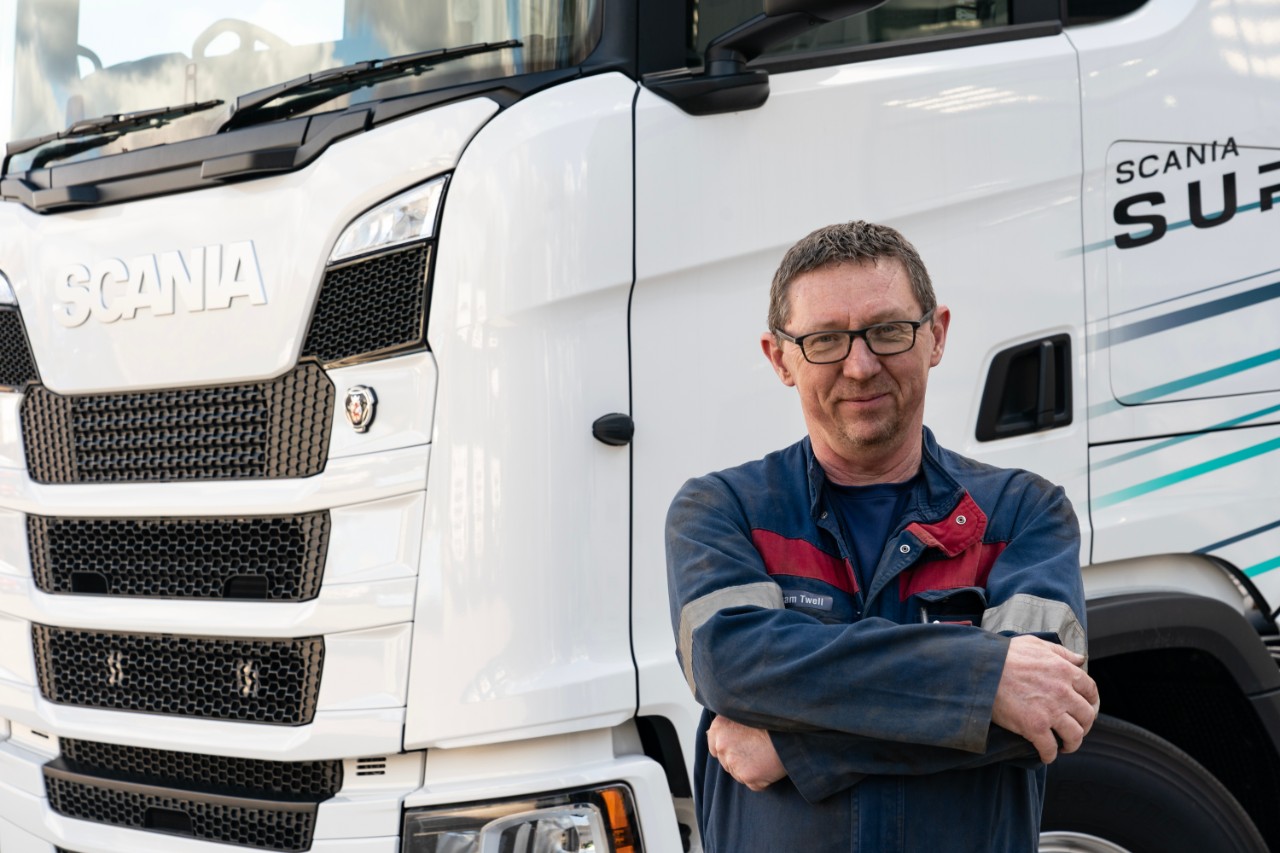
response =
{"points": [[800, 598]]}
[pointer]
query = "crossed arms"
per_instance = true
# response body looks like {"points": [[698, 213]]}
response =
{"points": [[828, 704]]}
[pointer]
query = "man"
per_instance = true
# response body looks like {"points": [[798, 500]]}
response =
{"points": [[887, 637]]}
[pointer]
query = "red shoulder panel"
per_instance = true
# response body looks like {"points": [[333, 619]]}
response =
{"points": [[798, 558]]}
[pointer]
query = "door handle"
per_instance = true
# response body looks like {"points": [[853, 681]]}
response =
{"points": [[1028, 389]]}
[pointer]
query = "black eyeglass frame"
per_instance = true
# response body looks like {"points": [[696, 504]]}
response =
{"points": [[858, 333]]}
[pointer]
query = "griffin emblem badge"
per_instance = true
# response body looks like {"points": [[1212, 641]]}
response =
{"points": [[360, 405]]}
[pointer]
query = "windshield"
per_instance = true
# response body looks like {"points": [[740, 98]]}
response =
{"points": [[71, 60]]}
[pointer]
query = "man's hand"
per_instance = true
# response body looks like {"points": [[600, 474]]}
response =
{"points": [[745, 753], [1044, 692]]}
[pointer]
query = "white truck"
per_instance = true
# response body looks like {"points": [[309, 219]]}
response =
{"points": [[351, 352]]}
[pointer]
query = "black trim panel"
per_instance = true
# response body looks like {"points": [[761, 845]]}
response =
{"points": [[1163, 620], [257, 151], [58, 769], [905, 47]]}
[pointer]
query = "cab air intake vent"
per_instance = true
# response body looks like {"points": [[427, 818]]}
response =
{"points": [[261, 681], [17, 367], [262, 824], [371, 307], [250, 802], [371, 767], [266, 430], [309, 781], [270, 558]]}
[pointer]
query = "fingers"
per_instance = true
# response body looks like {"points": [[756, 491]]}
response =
{"points": [[1045, 695], [713, 738], [1065, 653], [1045, 744], [1070, 732], [1086, 710], [747, 754], [1086, 687]]}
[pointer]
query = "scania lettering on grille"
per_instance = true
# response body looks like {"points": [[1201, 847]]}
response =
{"points": [[207, 278]]}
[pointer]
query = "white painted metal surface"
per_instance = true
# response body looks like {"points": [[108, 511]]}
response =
{"points": [[361, 702], [556, 763], [370, 580], [354, 479], [493, 568], [926, 143], [291, 222], [522, 611], [406, 390], [1182, 339]]}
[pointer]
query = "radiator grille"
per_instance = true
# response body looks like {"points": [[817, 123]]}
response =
{"points": [[277, 558], [264, 681], [264, 825], [17, 367], [274, 429], [374, 306], [243, 777]]}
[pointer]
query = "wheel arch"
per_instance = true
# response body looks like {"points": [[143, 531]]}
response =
{"points": [[1192, 669]]}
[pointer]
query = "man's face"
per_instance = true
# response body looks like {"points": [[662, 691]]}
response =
{"points": [[867, 408]]}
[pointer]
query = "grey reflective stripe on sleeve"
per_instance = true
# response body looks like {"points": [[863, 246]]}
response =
{"points": [[693, 615], [1028, 614]]}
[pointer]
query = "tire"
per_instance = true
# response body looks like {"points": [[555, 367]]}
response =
{"points": [[1127, 791]]}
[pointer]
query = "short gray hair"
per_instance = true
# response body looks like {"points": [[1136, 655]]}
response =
{"points": [[848, 242]]}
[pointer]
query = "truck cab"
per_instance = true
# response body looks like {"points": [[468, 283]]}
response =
{"points": [[351, 353]]}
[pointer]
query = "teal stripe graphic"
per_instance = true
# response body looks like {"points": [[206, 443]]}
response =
{"points": [[1178, 439], [1201, 378], [1146, 395], [1172, 479], [1265, 566], [1173, 226]]}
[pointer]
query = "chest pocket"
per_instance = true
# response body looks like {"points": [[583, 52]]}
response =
{"points": [[962, 606]]}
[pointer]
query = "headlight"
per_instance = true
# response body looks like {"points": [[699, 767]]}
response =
{"points": [[407, 217], [7, 296], [599, 820]]}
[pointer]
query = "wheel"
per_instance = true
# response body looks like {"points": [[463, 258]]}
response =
{"points": [[247, 32], [1127, 791]]}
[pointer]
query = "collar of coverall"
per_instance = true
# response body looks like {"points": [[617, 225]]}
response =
{"points": [[945, 516]]}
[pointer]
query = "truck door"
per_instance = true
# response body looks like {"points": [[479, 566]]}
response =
{"points": [[1181, 176], [955, 122]]}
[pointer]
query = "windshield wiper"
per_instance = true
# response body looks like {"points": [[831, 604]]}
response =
{"points": [[303, 93], [90, 133]]}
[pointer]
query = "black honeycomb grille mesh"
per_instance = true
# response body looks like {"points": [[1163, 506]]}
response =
{"points": [[277, 558], [266, 430], [262, 681], [268, 826], [311, 781], [17, 367], [373, 306]]}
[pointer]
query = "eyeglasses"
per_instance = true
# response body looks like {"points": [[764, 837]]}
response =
{"points": [[882, 339]]}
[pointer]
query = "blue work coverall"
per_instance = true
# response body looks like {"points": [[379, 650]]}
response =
{"points": [[878, 701]]}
